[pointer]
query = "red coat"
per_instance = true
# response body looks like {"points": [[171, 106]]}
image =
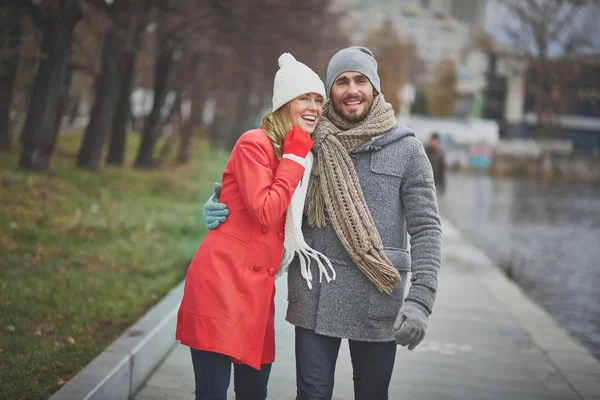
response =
{"points": [[228, 301]]}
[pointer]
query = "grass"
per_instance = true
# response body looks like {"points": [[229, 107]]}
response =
{"points": [[84, 254]]}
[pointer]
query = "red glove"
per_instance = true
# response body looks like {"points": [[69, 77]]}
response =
{"points": [[297, 142]]}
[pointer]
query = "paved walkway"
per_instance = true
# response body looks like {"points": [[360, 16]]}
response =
{"points": [[486, 341]]}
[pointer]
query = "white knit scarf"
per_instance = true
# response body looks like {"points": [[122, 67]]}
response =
{"points": [[294, 242]]}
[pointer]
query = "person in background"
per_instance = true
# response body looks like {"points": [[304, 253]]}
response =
{"points": [[227, 312], [437, 158]]}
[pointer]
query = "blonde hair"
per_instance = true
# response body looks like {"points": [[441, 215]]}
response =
{"points": [[276, 125]]}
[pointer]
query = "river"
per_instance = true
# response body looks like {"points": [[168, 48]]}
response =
{"points": [[544, 234]]}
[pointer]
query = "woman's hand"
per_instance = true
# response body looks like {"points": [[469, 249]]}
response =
{"points": [[297, 142]]}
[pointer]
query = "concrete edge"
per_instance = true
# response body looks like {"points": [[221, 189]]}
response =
{"points": [[122, 368], [570, 358]]}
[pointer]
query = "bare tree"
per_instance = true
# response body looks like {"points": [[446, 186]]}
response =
{"points": [[395, 58], [10, 46], [259, 33], [120, 38], [442, 93], [166, 51], [56, 19], [553, 35], [236, 44], [127, 68]]}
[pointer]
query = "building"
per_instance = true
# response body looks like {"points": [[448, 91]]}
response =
{"points": [[509, 101], [469, 12], [440, 29], [580, 122]]}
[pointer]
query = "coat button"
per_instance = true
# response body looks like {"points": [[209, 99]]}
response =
{"points": [[272, 271], [257, 268], [264, 230], [280, 235]]}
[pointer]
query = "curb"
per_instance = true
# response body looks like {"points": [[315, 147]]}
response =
{"points": [[121, 370], [569, 357]]}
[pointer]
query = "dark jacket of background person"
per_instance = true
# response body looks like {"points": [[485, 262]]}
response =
{"points": [[438, 164]]}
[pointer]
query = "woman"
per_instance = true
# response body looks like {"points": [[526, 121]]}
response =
{"points": [[227, 311]]}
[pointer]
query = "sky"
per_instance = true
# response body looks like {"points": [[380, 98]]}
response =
{"points": [[497, 19]]}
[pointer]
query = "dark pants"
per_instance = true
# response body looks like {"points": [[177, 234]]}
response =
{"points": [[213, 372], [316, 356]]}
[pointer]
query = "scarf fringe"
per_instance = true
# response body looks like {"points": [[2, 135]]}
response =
{"points": [[305, 256], [294, 243], [374, 264]]}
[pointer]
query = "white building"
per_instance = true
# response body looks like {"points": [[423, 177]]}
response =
{"points": [[439, 29]]}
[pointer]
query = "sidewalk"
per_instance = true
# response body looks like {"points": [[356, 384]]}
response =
{"points": [[486, 341]]}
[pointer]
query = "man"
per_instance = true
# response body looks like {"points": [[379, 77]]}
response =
{"points": [[436, 156], [371, 186]]}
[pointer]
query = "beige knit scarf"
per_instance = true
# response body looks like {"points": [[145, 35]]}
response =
{"points": [[334, 187]]}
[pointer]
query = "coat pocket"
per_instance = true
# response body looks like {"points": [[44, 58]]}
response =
{"points": [[217, 283], [386, 306], [385, 178]]}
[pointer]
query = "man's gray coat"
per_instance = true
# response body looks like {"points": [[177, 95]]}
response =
{"points": [[397, 183]]}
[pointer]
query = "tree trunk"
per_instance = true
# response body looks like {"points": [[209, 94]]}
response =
{"points": [[39, 134], [238, 121], [187, 131], [103, 111], [116, 150], [217, 129], [11, 32], [174, 120], [151, 132], [118, 137], [62, 104]]}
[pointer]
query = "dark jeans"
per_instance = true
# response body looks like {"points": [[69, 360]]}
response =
{"points": [[316, 356], [213, 372]]}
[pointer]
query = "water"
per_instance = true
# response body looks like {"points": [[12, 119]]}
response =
{"points": [[545, 235]]}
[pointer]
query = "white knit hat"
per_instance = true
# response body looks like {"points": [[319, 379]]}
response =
{"points": [[294, 79]]}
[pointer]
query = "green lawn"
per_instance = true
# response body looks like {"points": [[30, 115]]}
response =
{"points": [[83, 255]]}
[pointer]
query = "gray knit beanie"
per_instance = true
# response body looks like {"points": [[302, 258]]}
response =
{"points": [[353, 59]]}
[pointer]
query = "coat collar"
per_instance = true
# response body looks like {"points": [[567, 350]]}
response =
{"points": [[398, 132]]}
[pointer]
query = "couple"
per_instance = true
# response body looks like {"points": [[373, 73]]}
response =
{"points": [[335, 196]]}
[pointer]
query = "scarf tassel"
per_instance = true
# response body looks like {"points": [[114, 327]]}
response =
{"points": [[373, 264], [305, 255]]}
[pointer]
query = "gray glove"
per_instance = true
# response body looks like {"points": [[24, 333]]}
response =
{"points": [[410, 325], [214, 213]]}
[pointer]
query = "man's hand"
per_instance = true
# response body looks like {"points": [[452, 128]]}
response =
{"points": [[410, 325], [214, 213]]}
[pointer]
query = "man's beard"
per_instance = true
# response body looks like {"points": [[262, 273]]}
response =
{"points": [[352, 118]]}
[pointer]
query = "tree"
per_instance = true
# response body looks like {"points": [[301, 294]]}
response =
{"points": [[442, 93], [116, 150], [395, 59], [166, 48], [553, 35], [56, 19], [117, 54], [236, 44], [10, 32]]}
